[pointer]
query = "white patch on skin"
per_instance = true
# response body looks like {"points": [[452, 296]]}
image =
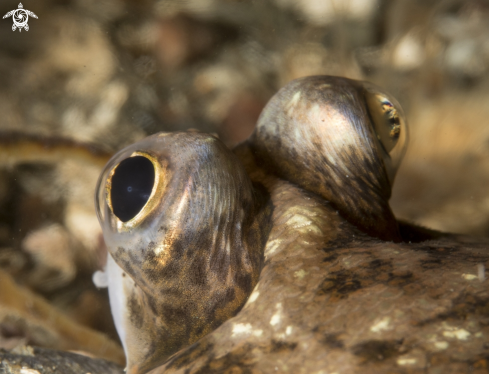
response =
{"points": [[253, 297], [381, 325], [275, 320], [29, 371], [324, 86], [293, 103], [297, 221], [288, 330], [460, 334], [301, 222], [469, 277], [300, 273], [406, 361], [245, 329], [100, 280], [441, 345], [295, 98], [272, 246], [241, 328]]}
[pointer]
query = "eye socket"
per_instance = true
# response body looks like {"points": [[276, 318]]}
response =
{"points": [[390, 127], [131, 186]]}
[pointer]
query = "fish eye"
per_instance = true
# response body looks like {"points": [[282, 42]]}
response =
{"points": [[387, 120], [131, 186], [390, 127]]}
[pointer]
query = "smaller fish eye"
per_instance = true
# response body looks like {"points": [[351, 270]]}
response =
{"points": [[389, 125], [387, 120]]}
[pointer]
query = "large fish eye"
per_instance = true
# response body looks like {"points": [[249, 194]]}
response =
{"points": [[390, 127], [131, 186]]}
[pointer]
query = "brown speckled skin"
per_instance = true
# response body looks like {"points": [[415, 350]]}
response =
{"points": [[333, 300], [330, 298], [317, 133], [213, 224]]}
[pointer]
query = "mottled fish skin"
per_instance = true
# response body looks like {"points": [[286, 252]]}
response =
{"points": [[194, 257], [317, 132], [331, 299], [190, 259]]}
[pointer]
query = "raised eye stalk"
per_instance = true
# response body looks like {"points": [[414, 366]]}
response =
{"points": [[186, 231], [341, 139]]}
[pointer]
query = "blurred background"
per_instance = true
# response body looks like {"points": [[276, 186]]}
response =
{"points": [[106, 73]]}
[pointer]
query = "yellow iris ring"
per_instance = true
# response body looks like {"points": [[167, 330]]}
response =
{"points": [[154, 198]]}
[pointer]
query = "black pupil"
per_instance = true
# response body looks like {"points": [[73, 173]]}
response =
{"points": [[132, 184]]}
